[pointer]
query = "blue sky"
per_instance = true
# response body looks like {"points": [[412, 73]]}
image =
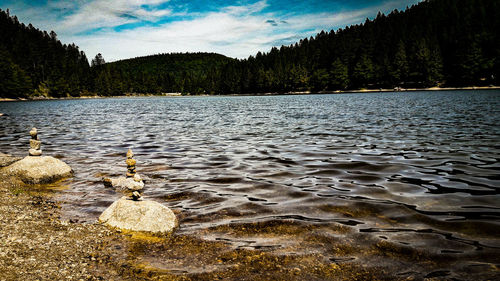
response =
{"points": [[123, 29]]}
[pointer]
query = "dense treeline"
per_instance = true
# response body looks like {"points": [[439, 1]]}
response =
{"points": [[434, 43], [34, 62], [437, 42]]}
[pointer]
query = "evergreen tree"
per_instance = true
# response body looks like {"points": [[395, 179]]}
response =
{"points": [[363, 71], [436, 42], [399, 68], [98, 60], [339, 75]]}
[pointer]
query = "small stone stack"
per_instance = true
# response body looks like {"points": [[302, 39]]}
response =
{"points": [[131, 185], [130, 164], [131, 173], [35, 143]]}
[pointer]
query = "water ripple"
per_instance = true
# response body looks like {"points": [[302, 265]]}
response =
{"points": [[416, 169]]}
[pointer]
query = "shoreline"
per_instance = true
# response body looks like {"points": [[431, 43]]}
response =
{"points": [[37, 244], [173, 95]]}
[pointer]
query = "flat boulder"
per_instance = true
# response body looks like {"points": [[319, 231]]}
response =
{"points": [[38, 169], [144, 215]]}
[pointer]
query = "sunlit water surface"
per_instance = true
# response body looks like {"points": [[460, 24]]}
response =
{"points": [[420, 169]]}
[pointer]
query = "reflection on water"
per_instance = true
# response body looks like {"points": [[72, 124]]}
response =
{"points": [[419, 169]]}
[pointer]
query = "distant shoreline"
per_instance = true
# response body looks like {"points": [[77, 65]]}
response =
{"points": [[359, 91]]}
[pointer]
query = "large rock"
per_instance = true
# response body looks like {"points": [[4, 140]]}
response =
{"points": [[39, 169], [6, 160], [144, 215]]}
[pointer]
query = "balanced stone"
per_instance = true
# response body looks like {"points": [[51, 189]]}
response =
{"points": [[123, 184], [130, 162], [35, 152], [130, 154], [34, 133], [136, 196], [35, 144]]}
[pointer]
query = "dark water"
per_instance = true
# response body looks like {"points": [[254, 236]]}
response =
{"points": [[418, 169]]}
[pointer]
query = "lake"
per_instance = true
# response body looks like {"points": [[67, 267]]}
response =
{"points": [[411, 171]]}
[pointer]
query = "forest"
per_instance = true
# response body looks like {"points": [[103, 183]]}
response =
{"points": [[445, 43]]}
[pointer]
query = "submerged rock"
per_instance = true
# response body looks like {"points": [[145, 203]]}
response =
{"points": [[148, 216], [39, 169]]}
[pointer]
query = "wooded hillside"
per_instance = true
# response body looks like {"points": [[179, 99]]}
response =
{"points": [[437, 42]]}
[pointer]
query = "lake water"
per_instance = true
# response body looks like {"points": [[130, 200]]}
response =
{"points": [[418, 170]]}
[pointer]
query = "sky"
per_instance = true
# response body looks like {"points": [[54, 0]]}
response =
{"points": [[122, 29]]}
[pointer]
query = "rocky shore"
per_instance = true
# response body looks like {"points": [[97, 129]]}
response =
{"points": [[128, 95], [37, 245]]}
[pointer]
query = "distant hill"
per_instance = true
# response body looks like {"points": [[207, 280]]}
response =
{"points": [[178, 72], [436, 42]]}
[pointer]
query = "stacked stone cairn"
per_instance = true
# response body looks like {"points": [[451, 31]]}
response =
{"points": [[131, 185], [35, 168], [131, 173], [35, 143]]}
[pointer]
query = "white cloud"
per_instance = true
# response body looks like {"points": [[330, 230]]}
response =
{"points": [[106, 13], [236, 31]]}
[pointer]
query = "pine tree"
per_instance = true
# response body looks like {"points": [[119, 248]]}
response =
{"points": [[98, 60], [339, 75], [399, 68]]}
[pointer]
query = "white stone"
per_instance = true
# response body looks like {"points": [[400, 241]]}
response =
{"points": [[147, 216], [35, 152], [127, 184], [39, 169], [137, 178]]}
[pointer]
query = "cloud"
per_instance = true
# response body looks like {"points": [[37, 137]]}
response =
{"points": [[128, 28], [104, 13]]}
